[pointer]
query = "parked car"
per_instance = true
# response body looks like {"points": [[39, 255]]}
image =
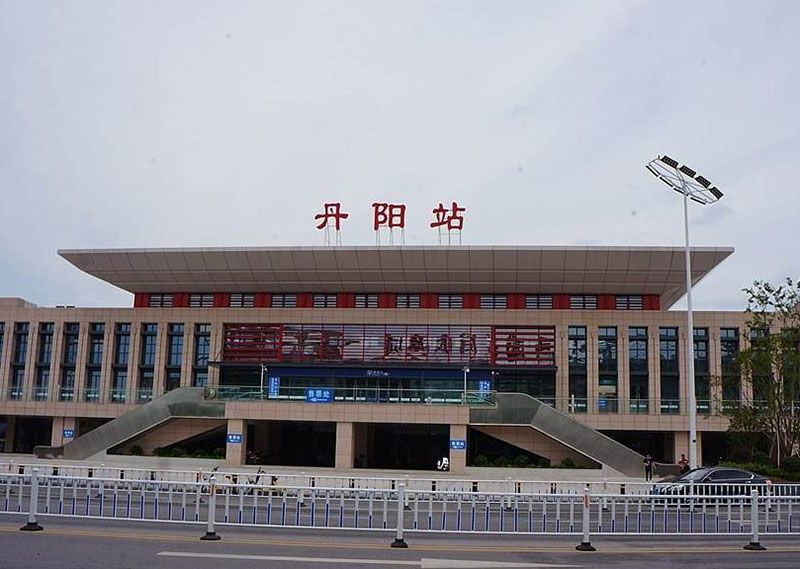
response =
{"points": [[715, 481]]}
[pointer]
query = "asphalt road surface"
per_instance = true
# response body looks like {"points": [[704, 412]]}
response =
{"points": [[95, 544]]}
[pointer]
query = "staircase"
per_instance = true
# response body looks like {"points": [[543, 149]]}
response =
{"points": [[182, 402], [522, 409]]}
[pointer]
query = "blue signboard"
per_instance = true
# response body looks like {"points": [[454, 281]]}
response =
{"points": [[319, 395], [274, 387], [235, 438], [69, 433], [458, 444], [484, 386]]}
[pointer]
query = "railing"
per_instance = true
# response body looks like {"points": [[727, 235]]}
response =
{"points": [[399, 509], [707, 407], [352, 395], [265, 476]]}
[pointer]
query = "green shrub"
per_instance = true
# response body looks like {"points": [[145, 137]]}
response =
{"points": [[481, 460], [567, 463], [136, 450], [792, 464]]}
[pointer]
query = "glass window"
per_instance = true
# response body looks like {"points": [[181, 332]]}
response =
{"points": [[119, 385], [67, 390], [639, 372], [366, 301], [202, 350], [284, 300], [149, 345], [731, 377], [160, 300], [96, 344], [407, 301], [15, 390], [45, 354], [670, 378], [20, 343], [174, 345], [201, 300], [451, 301], [494, 301], [583, 302], [577, 357], [629, 303], [122, 344], [42, 387], [324, 301], [71, 331], [242, 300], [538, 301]]}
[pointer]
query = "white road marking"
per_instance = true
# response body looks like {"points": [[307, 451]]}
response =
{"points": [[284, 558], [422, 563]]}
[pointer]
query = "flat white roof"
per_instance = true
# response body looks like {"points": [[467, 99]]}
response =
{"points": [[590, 270]]}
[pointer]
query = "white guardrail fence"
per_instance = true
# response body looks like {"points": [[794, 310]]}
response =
{"points": [[399, 505]]}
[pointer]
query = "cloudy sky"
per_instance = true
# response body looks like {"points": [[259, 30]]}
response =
{"points": [[161, 124]]}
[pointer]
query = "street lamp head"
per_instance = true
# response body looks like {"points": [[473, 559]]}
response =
{"points": [[684, 180]]}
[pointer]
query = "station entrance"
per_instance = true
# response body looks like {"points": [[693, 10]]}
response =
{"points": [[291, 443], [400, 446]]}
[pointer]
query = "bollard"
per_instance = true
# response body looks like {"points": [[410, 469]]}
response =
{"points": [[754, 544], [401, 498], [32, 525], [211, 534], [585, 544]]}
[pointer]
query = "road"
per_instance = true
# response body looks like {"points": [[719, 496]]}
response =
{"points": [[92, 544]]}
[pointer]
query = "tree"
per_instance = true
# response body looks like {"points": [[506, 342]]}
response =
{"points": [[771, 364]]}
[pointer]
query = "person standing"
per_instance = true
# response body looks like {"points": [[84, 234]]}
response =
{"points": [[648, 467], [683, 464]]}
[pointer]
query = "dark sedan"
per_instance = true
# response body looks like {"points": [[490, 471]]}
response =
{"points": [[716, 481]]}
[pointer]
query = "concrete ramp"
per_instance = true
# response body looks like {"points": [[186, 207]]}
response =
{"points": [[182, 402], [521, 409]]}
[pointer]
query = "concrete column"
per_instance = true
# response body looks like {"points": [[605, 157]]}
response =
{"points": [[344, 445], [11, 429], [654, 369], [592, 369], [29, 378], [562, 365], [458, 458], [105, 367], [217, 339], [623, 369], [188, 354], [715, 369], [134, 357], [235, 453], [80, 362], [682, 446], [159, 371], [5, 358], [59, 424], [56, 358]]}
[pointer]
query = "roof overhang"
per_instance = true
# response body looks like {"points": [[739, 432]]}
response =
{"points": [[574, 269]]}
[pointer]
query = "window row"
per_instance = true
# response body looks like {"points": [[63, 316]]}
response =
{"points": [[404, 300], [93, 358]]}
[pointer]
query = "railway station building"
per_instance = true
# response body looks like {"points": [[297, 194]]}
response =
{"points": [[374, 357]]}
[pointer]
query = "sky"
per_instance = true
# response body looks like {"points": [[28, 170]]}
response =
{"points": [[179, 124]]}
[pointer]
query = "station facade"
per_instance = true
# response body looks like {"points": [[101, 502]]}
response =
{"points": [[375, 357]]}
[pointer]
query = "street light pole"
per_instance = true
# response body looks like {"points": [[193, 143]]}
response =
{"points": [[466, 371], [699, 189], [690, 341]]}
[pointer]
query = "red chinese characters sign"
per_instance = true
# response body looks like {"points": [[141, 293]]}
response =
{"points": [[389, 215], [437, 345]]}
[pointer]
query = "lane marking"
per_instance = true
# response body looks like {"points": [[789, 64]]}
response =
{"points": [[423, 563], [285, 558]]}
